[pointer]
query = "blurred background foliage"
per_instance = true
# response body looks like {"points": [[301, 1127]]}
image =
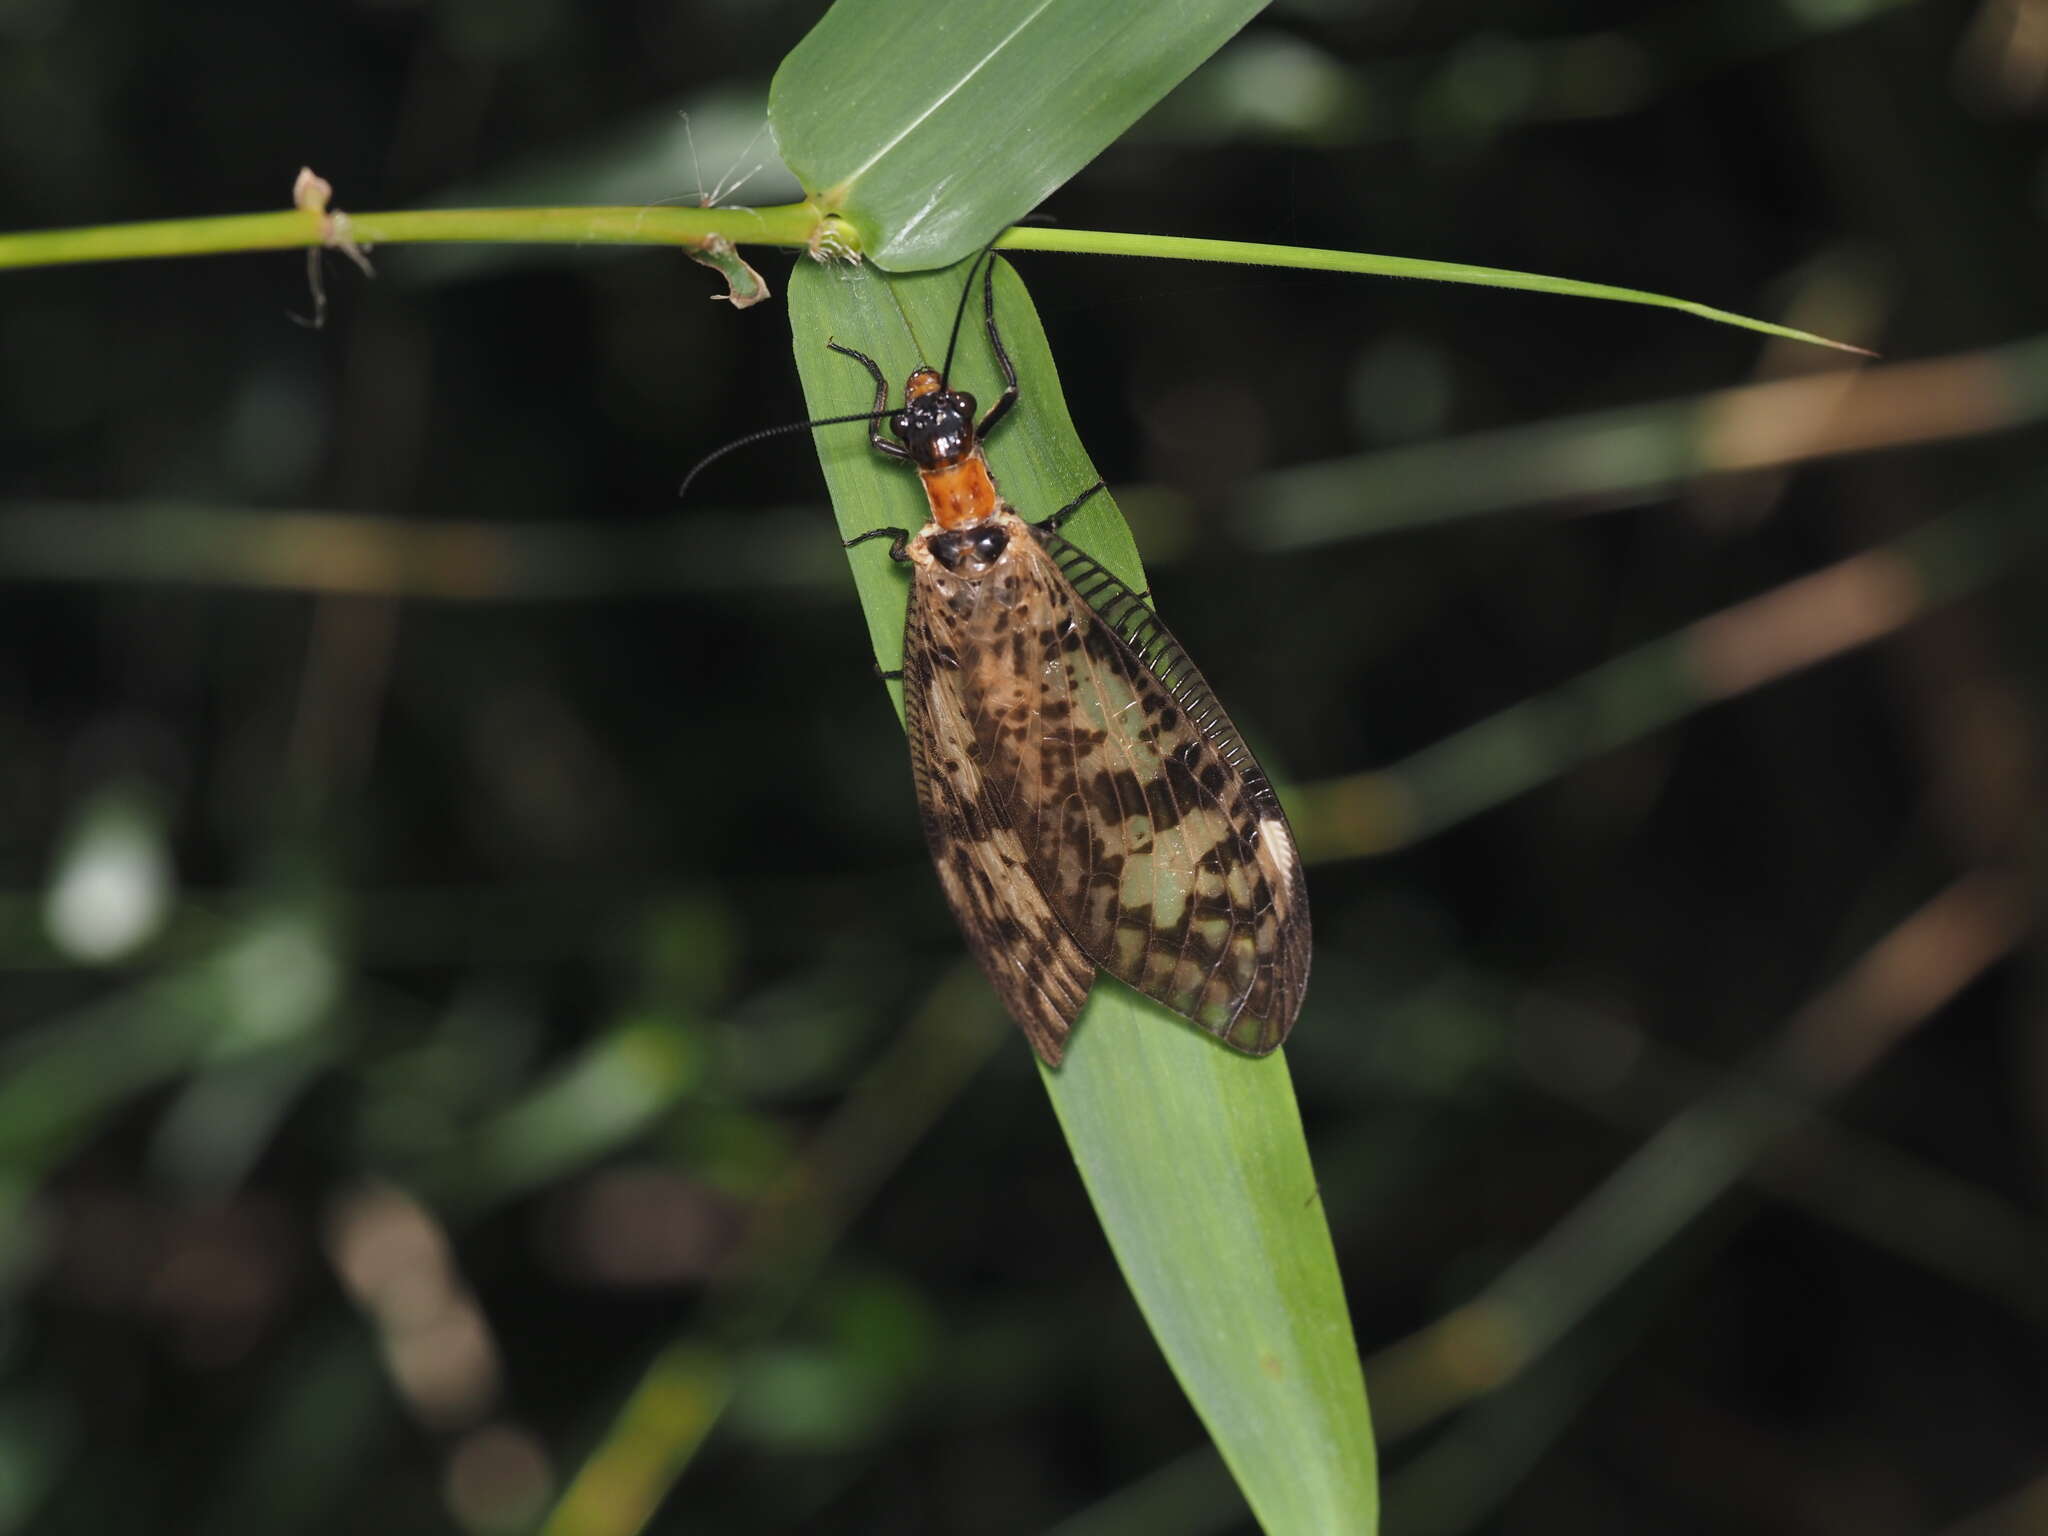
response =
{"points": [[480, 1033]]}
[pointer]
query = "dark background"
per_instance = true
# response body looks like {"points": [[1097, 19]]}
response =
{"points": [[465, 929]]}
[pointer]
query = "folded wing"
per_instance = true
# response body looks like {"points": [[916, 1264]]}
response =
{"points": [[1145, 823], [1036, 967]]}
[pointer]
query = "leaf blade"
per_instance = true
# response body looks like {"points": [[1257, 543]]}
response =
{"points": [[1197, 1167], [872, 109], [1193, 1155]]}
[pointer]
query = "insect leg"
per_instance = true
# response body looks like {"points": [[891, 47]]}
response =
{"points": [[1054, 521], [894, 450], [897, 537], [1008, 397]]}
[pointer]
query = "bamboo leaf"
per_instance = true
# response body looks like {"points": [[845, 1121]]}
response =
{"points": [[888, 113], [1193, 1156]]}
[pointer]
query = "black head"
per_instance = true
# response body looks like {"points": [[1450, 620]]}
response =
{"points": [[936, 423]]}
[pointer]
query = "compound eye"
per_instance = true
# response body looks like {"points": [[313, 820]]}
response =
{"points": [[967, 405]]}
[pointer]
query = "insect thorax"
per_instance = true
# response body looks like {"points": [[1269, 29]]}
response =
{"points": [[974, 565], [970, 552]]}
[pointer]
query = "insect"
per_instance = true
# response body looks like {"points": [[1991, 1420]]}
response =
{"points": [[1088, 803]]}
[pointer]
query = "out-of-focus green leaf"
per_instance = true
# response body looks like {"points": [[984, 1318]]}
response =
{"points": [[610, 1092], [1193, 1155], [113, 885], [886, 112]]}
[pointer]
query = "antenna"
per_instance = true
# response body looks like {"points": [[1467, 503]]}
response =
{"points": [[754, 437], [960, 309]]}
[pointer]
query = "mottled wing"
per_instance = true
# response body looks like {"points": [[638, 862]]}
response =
{"points": [[1146, 821], [1037, 969]]}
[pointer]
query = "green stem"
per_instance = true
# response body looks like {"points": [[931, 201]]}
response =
{"points": [[789, 225]]}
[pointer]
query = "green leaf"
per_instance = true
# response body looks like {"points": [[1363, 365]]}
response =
{"points": [[887, 112], [1102, 242], [1192, 1154]]}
